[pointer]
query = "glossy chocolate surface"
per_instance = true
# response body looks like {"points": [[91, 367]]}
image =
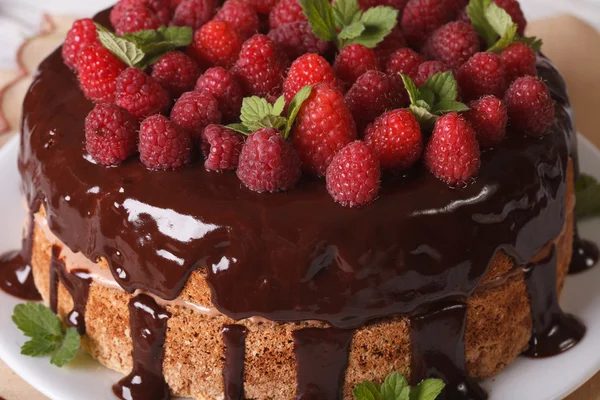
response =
{"points": [[234, 337]]}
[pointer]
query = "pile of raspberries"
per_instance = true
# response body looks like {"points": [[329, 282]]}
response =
{"points": [[353, 127]]}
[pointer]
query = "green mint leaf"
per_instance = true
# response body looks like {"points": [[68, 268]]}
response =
{"points": [[346, 12], [587, 192], [427, 98], [477, 13], [35, 320], [294, 108], [443, 85], [351, 31], [499, 19], [255, 109], [320, 16], [279, 106], [366, 391], [506, 40], [240, 128], [424, 116], [379, 22], [68, 348], [429, 389], [181, 36], [448, 106], [124, 50], [270, 121], [411, 88], [156, 43], [533, 42], [395, 387], [39, 346]]}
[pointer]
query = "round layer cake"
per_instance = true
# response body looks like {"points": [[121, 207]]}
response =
{"points": [[197, 286]]}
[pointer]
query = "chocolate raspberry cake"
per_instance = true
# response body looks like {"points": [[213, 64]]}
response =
{"points": [[309, 253]]}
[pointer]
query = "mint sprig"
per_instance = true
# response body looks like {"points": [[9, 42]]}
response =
{"points": [[496, 26], [144, 48], [396, 387], [433, 99], [344, 23], [587, 192], [46, 332]]}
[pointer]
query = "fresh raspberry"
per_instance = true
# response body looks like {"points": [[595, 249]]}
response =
{"points": [[482, 74], [453, 154], [240, 16], [221, 147], [194, 111], [260, 67], [371, 95], [513, 8], [530, 106], [140, 94], [297, 39], [395, 138], [135, 19], [216, 43], [159, 7], [354, 60], [404, 61], [518, 60], [162, 145], [324, 126], [310, 69], [224, 87], [421, 18], [194, 13], [427, 70], [110, 134], [176, 72], [82, 34], [262, 6], [488, 117], [397, 4], [284, 12], [453, 44], [268, 162], [173, 4], [354, 176], [98, 70], [455, 7], [391, 43]]}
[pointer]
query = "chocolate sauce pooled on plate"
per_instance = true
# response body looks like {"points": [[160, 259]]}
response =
{"points": [[148, 332], [234, 337], [77, 283], [321, 361], [554, 331], [585, 254]]}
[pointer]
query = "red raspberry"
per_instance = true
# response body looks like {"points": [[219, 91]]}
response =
{"points": [[110, 134], [173, 4], [159, 7], [262, 6], [297, 39], [135, 19], [221, 148], [240, 16], [224, 87], [488, 117], [176, 72], [260, 67], [391, 43], [482, 74], [194, 13], [310, 69], [324, 126], [455, 7], [404, 61], [284, 12], [140, 94], [268, 162], [194, 111], [395, 138], [354, 176], [421, 18], [216, 43], [530, 106], [371, 95], [513, 8], [98, 71], [453, 154], [162, 145], [397, 4], [518, 60], [354, 60], [453, 44], [82, 34], [429, 69]]}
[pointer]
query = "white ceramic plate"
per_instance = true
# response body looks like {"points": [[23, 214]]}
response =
{"points": [[546, 379]]}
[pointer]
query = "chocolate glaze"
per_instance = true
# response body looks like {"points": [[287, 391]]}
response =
{"points": [[321, 360], [234, 337], [77, 283], [553, 331], [438, 351], [585, 254], [148, 332]]}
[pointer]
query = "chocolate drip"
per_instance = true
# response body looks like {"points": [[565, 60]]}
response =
{"points": [[148, 332], [234, 337], [438, 351], [77, 283], [585, 254], [554, 331], [321, 357]]}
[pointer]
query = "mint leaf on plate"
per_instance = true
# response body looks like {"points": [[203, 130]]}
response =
{"points": [[396, 387], [587, 192]]}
